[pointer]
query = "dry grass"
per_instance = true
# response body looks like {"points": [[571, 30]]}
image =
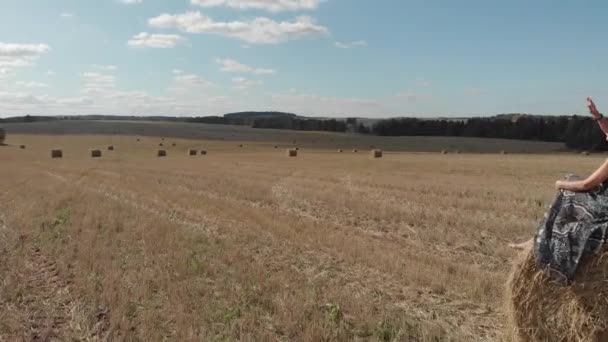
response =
{"points": [[245, 245]]}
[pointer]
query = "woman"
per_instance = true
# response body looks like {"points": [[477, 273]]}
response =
{"points": [[576, 225]]}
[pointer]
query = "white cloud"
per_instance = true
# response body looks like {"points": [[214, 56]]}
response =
{"points": [[422, 82], [257, 31], [268, 5], [67, 15], [97, 83], [190, 80], [177, 71], [410, 96], [20, 55], [75, 101], [230, 65], [31, 84], [350, 45], [131, 2], [474, 91], [242, 83], [51, 73], [104, 67], [153, 40]]}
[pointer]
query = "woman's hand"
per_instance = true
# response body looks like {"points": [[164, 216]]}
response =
{"points": [[593, 109], [559, 185]]}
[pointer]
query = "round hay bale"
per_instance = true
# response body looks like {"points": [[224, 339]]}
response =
{"points": [[503, 152], [275, 146], [444, 151], [540, 309], [297, 148], [192, 152], [339, 150], [585, 153], [138, 139], [22, 147], [161, 144], [203, 152], [95, 153], [240, 145], [173, 144], [355, 150], [376, 154], [56, 154], [457, 151], [292, 152], [161, 153], [111, 148]]}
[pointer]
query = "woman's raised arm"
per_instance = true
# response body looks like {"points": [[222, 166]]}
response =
{"points": [[597, 115]]}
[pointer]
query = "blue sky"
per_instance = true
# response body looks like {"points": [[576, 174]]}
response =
{"points": [[315, 57]]}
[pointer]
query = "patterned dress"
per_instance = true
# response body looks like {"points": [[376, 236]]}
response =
{"points": [[573, 229]]}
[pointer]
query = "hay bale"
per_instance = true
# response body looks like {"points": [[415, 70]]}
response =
{"points": [[444, 151], [192, 152], [203, 152], [173, 144], [376, 154], [275, 146], [22, 147], [585, 153], [292, 152], [56, 154], [503, 152], [111, 148], [240, 145], [138, 139], [161, 144], [457, 151], [95, 153], [297, 148], [355, 150], [340, 150], [541, 310], [161, 153]]}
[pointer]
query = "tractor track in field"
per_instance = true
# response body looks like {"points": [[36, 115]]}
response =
{"points": [[47, 309]]}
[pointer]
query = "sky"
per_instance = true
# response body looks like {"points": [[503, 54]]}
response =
{"points": [[339, 58]]}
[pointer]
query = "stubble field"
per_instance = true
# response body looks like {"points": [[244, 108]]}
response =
{"points": [[248, 244]]}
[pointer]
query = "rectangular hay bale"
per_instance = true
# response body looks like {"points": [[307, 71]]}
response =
{"points": [[192, 152], [376, 154], [56, 154], [95, 153], [292, 152], [203, 152], [161, 153]]}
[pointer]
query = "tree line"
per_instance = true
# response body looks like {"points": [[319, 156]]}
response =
{"points": [[576, 132]]}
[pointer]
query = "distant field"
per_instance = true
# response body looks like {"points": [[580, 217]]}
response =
{"points": [[248, 244], [319, 140]]}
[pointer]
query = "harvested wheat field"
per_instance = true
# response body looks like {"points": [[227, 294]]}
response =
{"points": [[246, 244]]}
